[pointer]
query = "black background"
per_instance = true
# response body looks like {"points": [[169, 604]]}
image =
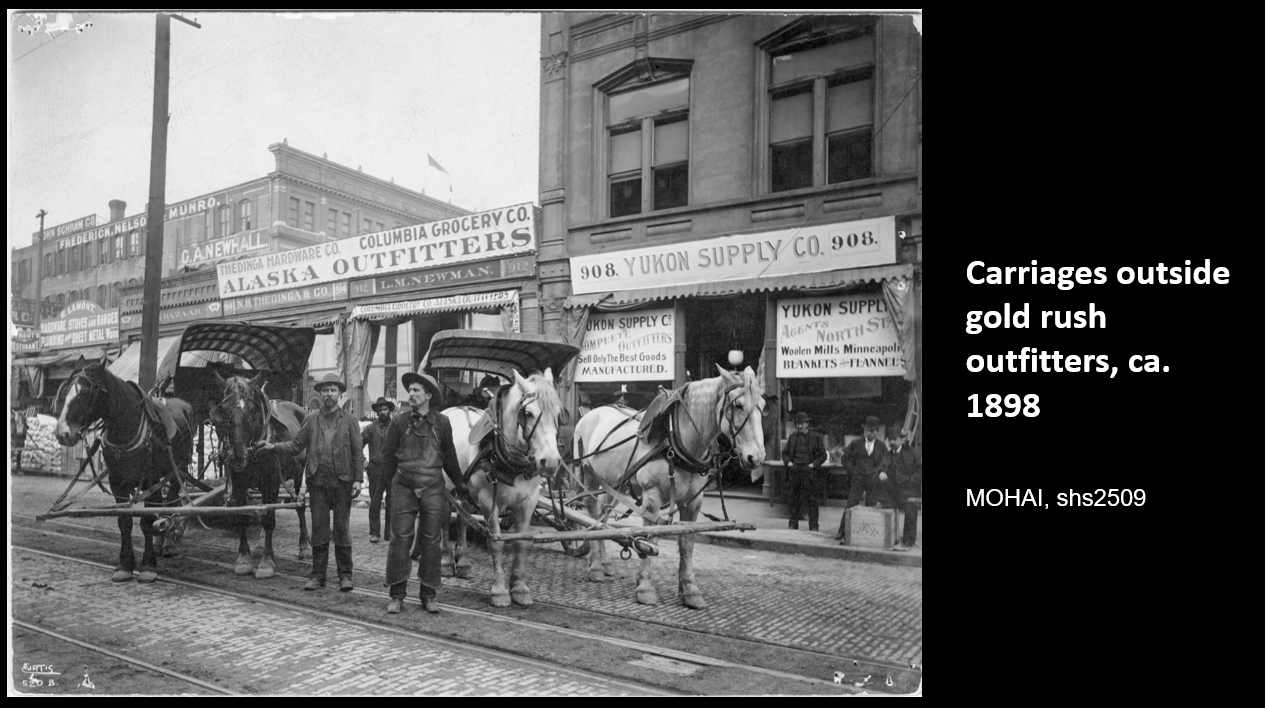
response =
{"points": [[1056, 140]]}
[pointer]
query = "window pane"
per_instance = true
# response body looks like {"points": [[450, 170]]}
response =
{"points": [[346, 224], [848, 156], [671, 141], [491, 323], [671, 186], [324, 354], [625, 152], [331, 225], [626, 196], [849, 105], [823, 60], [791, 117], [375, 385], [792, 165], [648, 101], [293, 216], [244, 212], [309, 216]]}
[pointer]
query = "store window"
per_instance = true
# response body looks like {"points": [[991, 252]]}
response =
{"points": [[647, 158], [245, 215], [820, 103], [324, 360], [386, 369]]}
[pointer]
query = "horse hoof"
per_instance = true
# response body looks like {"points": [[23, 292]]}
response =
{"points": [[597, 575], [243, 568], [264, 572], [501, 600], [647, 597], [522, 599], [147, 576], [447, 570], [169, 552], [694, 602], [121, 576], [462, 571]]}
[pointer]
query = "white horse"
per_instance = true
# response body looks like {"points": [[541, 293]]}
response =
{"points": [[525, 434], [731, 403]]}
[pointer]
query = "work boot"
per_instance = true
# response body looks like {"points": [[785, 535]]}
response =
{"points": [[320, 563], [431, 605], [813, 527], [793, 524], [342, 555], [395, 606]]}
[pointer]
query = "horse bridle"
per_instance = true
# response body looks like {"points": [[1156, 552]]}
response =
{"points": [[95, 389], [265, 429]]}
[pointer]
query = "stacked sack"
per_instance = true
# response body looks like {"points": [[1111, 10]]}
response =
{"points": [[42, 453]]}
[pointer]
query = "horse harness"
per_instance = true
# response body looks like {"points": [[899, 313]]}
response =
{"points": [[496, 457], [265, 434]]}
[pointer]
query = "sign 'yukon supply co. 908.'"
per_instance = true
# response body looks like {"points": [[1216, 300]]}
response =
{"points": [[82, 322], [491, 234], [772, 254], [843, 335], [628, 346]]}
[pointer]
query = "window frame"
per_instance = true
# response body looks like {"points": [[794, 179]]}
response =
{"points": [[802, 35], [245, 215]]}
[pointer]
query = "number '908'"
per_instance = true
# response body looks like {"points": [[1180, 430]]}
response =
{"points": [[597, 271], [995, 406]]}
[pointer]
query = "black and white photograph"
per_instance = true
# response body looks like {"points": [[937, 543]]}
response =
{"points": [[487, 353]]}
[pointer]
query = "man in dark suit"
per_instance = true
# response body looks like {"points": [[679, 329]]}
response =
{"points": [[375, 435], [418, 453], [863, 458], [804, 454], [903, 479]]}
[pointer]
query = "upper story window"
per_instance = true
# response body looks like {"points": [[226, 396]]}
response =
{"points": [[103, 251], [818, 78], [292, 218], [245, 215], [61, 261], [309, 216], [346, 227], [224, 217], [645, 108], [119, 253], [74, 260], [135, 240], [48, 266], [331, 223]]}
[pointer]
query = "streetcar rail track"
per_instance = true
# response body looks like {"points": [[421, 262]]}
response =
{"points": [[413, 634], [650, 649], [125, 658]]}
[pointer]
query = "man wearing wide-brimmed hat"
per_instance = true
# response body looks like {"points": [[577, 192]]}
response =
{"points": [[864, 458], [804, 454], [334, 469], [375, 435], [418, 453]]}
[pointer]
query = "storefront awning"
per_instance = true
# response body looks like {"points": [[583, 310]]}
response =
{"points": [[800, 281], [63, 357], [128, 366]]}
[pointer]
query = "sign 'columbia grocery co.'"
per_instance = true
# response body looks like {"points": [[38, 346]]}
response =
{"points": [[491, 234], [771, 254]]}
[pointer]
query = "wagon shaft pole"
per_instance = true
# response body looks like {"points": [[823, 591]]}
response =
{"points": [[171, 511], [624, 532]]}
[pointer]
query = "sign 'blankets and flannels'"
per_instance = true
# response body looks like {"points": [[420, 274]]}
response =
{"points": [[490, 234], [840, 335], [82, 322]]}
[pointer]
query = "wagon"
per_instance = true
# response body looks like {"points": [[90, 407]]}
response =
{"points": [[559, 514], [205, 349]]}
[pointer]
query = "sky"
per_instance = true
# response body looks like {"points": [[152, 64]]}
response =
{"points": [[377, 91]]}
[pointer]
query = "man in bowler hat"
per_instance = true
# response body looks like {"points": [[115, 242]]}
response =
{"points": [[418, 453], [334, 469], [864, 458], [903, 478], [375, 436], [804, 454]]}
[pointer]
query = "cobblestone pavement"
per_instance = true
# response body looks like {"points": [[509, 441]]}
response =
{"points": [[828, 605], [257, 647]]}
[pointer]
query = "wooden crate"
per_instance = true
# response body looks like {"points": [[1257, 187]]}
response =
{"points": [[869, 527]]}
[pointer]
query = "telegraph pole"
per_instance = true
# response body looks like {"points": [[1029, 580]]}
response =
{"points": [[157, 206], [39, 278]]}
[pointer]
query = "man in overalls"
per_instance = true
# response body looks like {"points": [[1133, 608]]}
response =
{"points": [[417, 454]]}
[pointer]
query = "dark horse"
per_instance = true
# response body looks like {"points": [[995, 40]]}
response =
{"points": [[244, 416], [145, 442]]}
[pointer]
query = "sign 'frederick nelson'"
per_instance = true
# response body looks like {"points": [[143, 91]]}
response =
{"points": [[490, 234]]}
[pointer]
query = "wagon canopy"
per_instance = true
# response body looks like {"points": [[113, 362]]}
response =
{"points": [[499, 353], [266, 347]]}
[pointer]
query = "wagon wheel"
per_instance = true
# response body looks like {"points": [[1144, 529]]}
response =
{"points": [[561, 492]]}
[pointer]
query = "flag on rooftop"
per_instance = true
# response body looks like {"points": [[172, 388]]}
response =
{"points": [[436, 165]]}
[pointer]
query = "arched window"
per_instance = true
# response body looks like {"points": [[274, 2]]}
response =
{"points": [[103, 251], [48, 266], [103, 294], [61, 261], [245, 215], [61, 301], [114, 293], [85, 257]]}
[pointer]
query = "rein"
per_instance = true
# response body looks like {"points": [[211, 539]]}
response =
{"points": [[265, 433]]}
